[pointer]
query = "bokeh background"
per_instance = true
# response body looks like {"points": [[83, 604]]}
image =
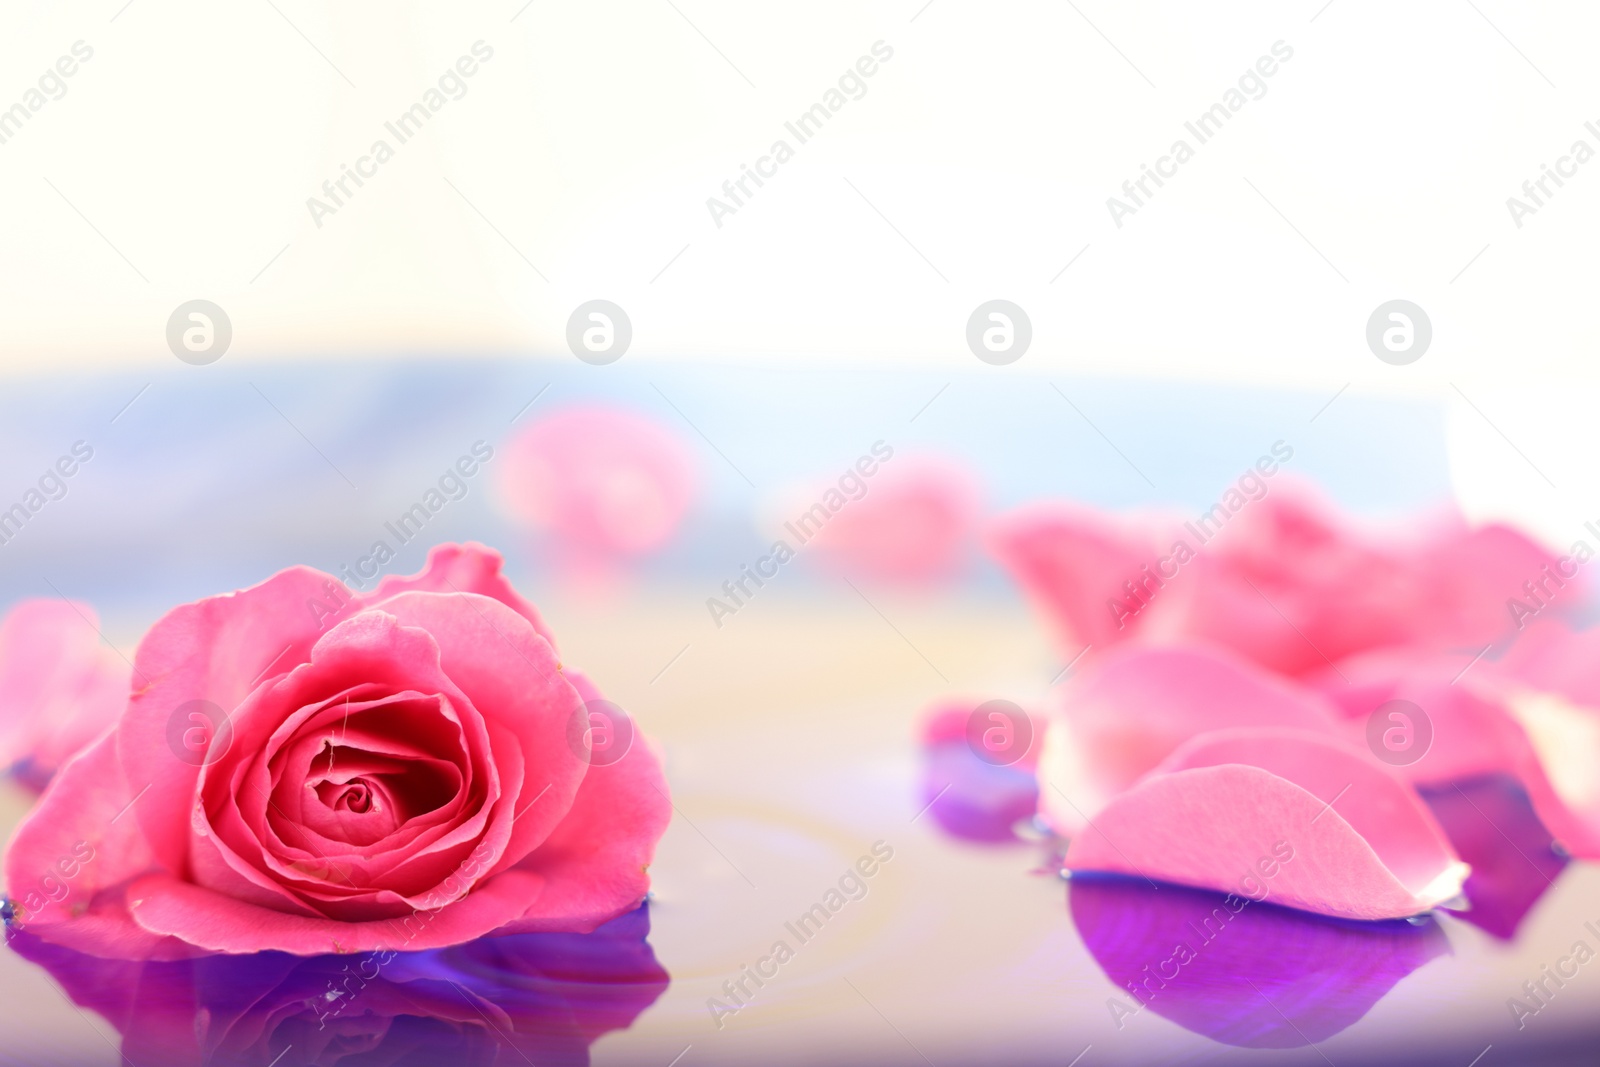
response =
{"points": [[431, 310]]}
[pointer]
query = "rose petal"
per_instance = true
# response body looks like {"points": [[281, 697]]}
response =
{"points": [[1072, 562], [1140, 704], [443, 730], [1472, 734], [1324, 828], [1490, 722], [1292, 585], [595, 864], [210, 920], [60, 686], [217, 649], [83, 836], [374, 646], [511, 674], [464, 568], [1550, 656], [1472, 573], [1279, 576]]}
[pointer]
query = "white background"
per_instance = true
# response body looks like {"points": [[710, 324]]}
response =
{"points": [[977, 166]]}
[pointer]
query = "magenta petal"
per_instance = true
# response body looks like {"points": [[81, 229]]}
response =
{"points": [[974, 800], [538, 998], [1238, 809]]}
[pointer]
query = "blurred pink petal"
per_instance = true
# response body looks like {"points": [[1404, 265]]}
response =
{"points": [[1301, 819], [606, 485], [1283, 580], [1495, 719], [60, 686], [1551, 657], [1291, 587], [1550, 683], [914, 523], [1469, 732], [1071, 562], [1472, 575], [1132, 711]]}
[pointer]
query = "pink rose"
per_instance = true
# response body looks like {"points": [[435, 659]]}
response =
{"points": [[60, 686], [305, 769], [913, 522], [603, 484]]}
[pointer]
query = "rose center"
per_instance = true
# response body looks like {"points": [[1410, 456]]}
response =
{"points": [[356, 797]]}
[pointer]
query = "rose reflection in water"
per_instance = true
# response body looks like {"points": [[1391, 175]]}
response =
{"points": [[970, 798], [1266, 977], [1489, 821], [1322, 974], [1514, 860], [543, 998]]}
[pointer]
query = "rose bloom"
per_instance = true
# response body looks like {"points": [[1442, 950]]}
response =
{"points": [[306, 769], [912, 524], [603, 484]]}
